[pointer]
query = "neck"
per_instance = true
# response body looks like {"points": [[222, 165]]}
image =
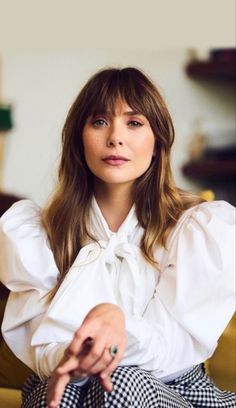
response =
{"points": [[115, 203]]}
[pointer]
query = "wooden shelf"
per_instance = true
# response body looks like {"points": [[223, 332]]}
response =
{"points": [[216, 170], [219, 70], [213, 169]]}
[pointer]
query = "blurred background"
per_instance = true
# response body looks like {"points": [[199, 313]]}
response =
{"points": [[49, 50]]}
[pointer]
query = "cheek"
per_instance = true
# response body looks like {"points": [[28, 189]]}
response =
{"points": [[91, 147], [88, 149], [146, 146]]}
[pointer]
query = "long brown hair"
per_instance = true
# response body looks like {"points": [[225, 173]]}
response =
{"points": [[159, 203]]}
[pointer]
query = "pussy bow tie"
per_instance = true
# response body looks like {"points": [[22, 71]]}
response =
{"points": [[107, 271]]}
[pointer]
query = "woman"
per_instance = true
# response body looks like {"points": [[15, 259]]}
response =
{"points": [[122, 286]]}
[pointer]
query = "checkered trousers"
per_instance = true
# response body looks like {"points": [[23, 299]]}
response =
{"points": [[135, 388]]}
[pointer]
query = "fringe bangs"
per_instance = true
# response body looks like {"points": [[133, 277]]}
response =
{"points": [[159, 203]]}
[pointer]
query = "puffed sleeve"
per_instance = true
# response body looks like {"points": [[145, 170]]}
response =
{"points": [[195, 296], [28, 269]]}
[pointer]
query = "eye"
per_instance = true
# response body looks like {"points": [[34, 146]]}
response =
{"points": [[134, 123], [99, 122]]}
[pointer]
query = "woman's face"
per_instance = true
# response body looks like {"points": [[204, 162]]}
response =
{"points": [[118, 148]]}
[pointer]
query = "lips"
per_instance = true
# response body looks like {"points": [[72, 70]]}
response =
{"points": [[115, 160]]}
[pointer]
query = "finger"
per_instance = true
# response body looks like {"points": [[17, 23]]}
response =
{"points": [[110, 368], [106, 383], [80, 342], [87, 345], [100, 364], [70, 364], [50, 388], [56, 390], [94, 356]]}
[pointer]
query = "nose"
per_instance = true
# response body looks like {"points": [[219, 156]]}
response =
{"points": [[114, 143], [114, 139]]}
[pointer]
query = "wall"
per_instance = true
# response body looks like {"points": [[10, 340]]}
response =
{"points": [[49, 49], [42, 86], [48, 25]]}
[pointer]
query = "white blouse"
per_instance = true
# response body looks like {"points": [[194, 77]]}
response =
{"points": [[174, 317]]}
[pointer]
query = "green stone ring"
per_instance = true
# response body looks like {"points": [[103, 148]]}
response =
{"points": [[113, 350]]}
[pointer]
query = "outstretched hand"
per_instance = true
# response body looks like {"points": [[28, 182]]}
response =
{"points": [[89, 352]]}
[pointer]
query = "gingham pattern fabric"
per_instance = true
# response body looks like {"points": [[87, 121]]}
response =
{"points": [[136, 388], [197, 388]]}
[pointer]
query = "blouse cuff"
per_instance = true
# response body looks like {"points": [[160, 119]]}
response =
{"points": [[48, 357]]}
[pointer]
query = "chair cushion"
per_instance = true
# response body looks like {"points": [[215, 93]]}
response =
{"points": [[10, 398], [221, 367], [13, 372]]}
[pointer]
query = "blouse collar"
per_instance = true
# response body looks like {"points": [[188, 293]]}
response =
{"points": [[101, 229]]}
